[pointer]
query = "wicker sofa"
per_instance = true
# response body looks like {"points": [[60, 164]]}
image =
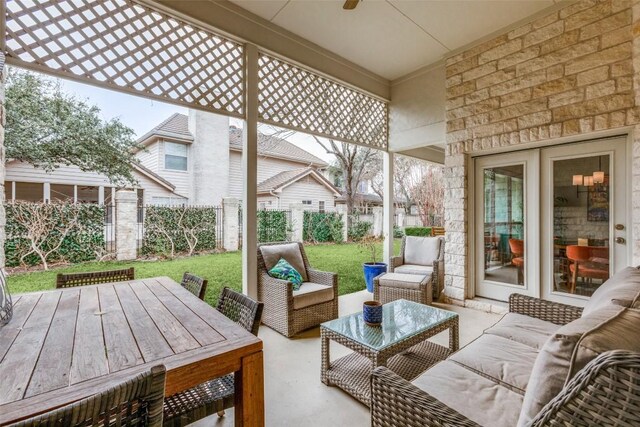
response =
{"points": [[424, 256], [288, 311], [542, 364]]}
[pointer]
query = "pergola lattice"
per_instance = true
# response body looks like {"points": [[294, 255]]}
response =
{"points": [[292, 97], [127, 46], [130, 47]]}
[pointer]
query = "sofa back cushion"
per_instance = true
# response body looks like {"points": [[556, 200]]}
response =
{"points": [[623, 288], [421, 250], [574, 345], [289, 251]]}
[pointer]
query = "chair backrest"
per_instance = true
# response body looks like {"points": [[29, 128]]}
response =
{"points": [[517, 247], [421, 250], [270, 253], [135, 402], [94, 278], [243, 310], [586, 253], [437, 231], [194, 284]]}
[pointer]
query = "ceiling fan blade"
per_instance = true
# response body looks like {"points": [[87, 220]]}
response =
{"points": [[350, 4]]}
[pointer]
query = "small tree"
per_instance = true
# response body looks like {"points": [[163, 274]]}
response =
{"points": [[48, 128]]}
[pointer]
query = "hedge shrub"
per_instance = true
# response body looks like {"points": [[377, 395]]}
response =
{"points": [[322, 227], [273, 226], [359, 229], [84, 241], [417, 231], [397, 232], [164, 225]]}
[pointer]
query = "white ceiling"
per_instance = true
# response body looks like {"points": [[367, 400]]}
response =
{"points": [[393, 37]]}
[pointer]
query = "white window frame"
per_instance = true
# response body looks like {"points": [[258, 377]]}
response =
{"points": [[168, 144]]}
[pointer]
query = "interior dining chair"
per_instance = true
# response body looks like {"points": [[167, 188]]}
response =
{"points": [[588, 262], [218, 394], [135, 402], [194, 284], [517, 257]]}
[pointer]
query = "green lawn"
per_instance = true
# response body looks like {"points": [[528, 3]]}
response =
{"points": [[220, 269]]}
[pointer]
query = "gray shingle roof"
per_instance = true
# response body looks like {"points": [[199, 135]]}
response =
{"points": [[176, 126], [286, 177], [276, 147]]}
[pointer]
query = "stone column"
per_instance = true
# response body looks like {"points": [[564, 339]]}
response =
{"points": [[342, 210], [3, 218], [230, 224], [378, 215], [297, 222], [126, 224]]}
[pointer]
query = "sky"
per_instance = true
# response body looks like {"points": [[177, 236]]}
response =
{"points": [[143, 114]]}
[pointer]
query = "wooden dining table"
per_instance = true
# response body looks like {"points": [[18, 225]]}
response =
{"points": [[67, 344]]}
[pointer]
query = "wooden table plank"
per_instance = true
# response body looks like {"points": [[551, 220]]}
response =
{"points": [[52, 369], [89, 357], [178, 337], [200, 330], [121, 345], [150, 341], [218, 321], [24, 304], [20, 360]]}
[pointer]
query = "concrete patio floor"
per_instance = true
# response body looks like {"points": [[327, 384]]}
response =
{"points": [[294, 395]]}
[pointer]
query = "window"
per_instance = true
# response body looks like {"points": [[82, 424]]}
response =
{"points": [[362, 187], [321, 206], [175, 156], [307, 202]]}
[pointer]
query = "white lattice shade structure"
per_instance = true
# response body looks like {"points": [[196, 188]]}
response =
{"points": [[131, 47], [127, 46], [292, 97]]}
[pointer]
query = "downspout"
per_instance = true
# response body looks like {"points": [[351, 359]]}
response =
{"points": [[277, 198]]}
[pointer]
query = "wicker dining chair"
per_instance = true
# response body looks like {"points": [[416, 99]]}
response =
{"points": [[93, 278], [194, 284], [216, 395], [135, 402]]}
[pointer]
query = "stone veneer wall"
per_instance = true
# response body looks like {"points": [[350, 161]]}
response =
{"points": [[568, 73]]}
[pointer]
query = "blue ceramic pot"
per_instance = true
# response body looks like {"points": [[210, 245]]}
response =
{"points": [[371, 270], [372, 313]]}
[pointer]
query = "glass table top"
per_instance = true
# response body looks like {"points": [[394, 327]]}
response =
{"points": [[401, 319]]}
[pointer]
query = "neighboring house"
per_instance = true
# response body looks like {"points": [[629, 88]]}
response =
{"points": [[194, 159]]}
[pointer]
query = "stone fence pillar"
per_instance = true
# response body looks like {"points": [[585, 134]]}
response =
{"points": [[400, 216], [126, 224], [230, 223], [342, 210], [297, 222], [378, 214]]}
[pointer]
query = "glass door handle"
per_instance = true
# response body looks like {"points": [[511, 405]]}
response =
{"points": [[620, 240]]}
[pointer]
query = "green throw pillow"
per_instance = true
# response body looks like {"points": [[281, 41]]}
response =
{"points": [[283, 270]]}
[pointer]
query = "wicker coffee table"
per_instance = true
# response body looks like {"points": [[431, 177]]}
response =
{"points": [[400, 344]]}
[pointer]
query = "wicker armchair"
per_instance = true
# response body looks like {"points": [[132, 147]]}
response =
{"points": [[401, 264], [216, 395], [288, 311], [93, 278], [135, 402], [194, 284], [606, 392]]}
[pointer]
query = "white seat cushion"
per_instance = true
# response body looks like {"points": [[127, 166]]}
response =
{"points": [[506, 361], [311, 294], [472, 395], [421, 250], [414, 269], [623, 288], [406, 281], [523, 329]]}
